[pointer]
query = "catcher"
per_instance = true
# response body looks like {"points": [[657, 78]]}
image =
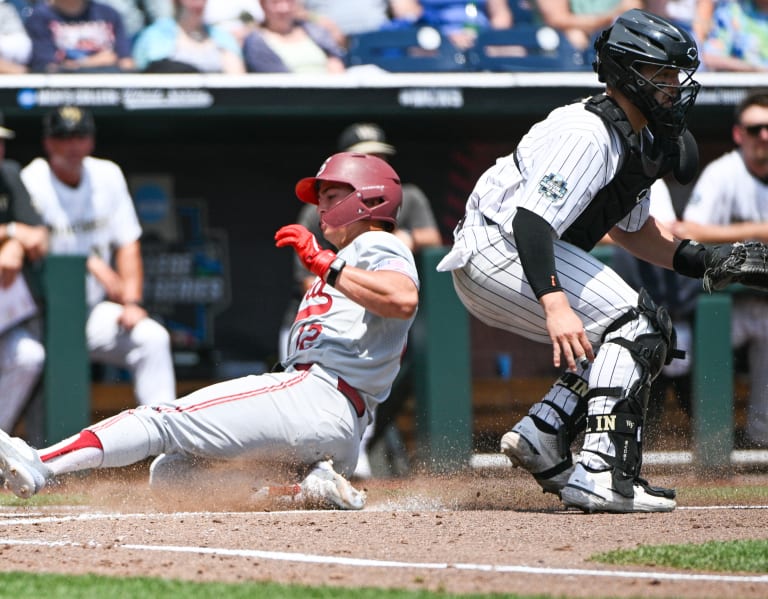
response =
{"points": [[521, 261]]}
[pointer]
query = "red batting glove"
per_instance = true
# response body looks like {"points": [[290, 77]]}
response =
{"points": [[316, 259]]}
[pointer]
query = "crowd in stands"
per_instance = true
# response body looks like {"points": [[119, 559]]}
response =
{"points": [[313, 36]]}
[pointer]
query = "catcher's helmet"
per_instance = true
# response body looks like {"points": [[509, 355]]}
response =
{"points": [[68, 121], [639, 38], [372, 178]]}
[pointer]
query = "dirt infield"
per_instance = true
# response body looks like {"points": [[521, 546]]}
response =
{"points": [[474, 532]]}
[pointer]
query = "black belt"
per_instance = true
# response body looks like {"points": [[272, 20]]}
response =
{"points": [[346, 390]]}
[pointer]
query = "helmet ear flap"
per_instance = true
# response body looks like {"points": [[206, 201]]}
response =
{"points": [[598, 46]]}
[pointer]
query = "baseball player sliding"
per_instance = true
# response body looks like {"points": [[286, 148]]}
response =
{"points": [[521, 261], [345, 348]]}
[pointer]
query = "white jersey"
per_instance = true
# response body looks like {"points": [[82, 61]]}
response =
{"points": [[727, 193], [94, 218], [565, 160], [343, 337]]}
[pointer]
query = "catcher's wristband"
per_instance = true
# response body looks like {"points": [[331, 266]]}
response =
{"points": [[690, 259], [334, 270]]}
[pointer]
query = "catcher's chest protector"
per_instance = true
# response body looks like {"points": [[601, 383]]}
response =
{"points": [[630, 185]]}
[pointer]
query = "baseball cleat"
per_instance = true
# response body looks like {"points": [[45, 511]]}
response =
{"points": [[592, 492], [537, 452], [25, 474], [326, 486]]}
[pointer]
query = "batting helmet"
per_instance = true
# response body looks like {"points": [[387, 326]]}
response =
{"points": [[377, 196], [68, 121], [639, 38]]}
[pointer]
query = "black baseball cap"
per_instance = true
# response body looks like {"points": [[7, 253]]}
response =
{"points": [[5, 133], [366, 138], [68, 121]]}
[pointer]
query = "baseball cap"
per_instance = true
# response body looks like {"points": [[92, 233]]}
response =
{"points": [[68, 120], [366, 138], [4, 132]]}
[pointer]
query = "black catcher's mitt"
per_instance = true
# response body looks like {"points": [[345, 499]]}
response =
{"points": [[745, 263]]}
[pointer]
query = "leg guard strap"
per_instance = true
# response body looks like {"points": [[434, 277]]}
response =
{"points": [[573, 423], [623, 428]]}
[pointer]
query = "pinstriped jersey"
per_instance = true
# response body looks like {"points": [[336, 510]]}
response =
{"points": [[564, 161], [343, 337]]}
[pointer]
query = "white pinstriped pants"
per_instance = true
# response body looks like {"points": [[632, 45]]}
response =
{"points": [[493, 287]]}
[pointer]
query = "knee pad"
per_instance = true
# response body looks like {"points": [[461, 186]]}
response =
{"points": [[650, 350]]}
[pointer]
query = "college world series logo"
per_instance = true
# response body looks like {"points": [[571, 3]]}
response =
{"points": [[553, 186]]}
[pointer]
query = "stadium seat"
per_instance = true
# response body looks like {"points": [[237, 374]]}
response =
{"points": [[525, 47], [523, 11], [409, 49]]}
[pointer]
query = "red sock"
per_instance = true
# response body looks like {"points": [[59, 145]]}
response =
{"points": [[85, 439]]}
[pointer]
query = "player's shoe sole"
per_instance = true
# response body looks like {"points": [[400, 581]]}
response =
{"points": [[536, 451], [324, 485], [592, 492], [25, 474]]}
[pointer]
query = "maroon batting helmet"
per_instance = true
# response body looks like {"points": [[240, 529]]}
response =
{"points": [[372, 178]]}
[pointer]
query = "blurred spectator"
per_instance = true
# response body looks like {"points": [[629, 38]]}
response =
{"points": [[460, 20], [580, 20], [23, 238], [185, 43], [738, 38], [76, 36], [286, 43], [729, 203], [238, 17], [694, 15], [349, 17], [23, 7], [86, 205], [137, 14], [15, 45]]}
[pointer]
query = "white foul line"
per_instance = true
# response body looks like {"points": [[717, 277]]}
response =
{"points": [[372, 563]]}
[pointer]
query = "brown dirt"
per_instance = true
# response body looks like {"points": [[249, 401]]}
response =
{"points": [[469, 532]]}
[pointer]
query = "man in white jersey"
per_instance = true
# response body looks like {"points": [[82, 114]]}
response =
{"points": [[521, 261], [345, 347], [23, 239], [86, 205], [730, 203]]}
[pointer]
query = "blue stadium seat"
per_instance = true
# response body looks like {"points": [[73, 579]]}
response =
{"points": [[523, 11], [525, 47], [405, 50]]}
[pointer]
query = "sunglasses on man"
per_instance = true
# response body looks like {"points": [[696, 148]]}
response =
{"points": [[754, 130]]}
